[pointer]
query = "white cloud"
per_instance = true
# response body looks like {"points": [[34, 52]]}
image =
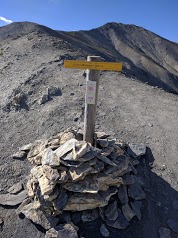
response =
{"points": [[5, 20]]}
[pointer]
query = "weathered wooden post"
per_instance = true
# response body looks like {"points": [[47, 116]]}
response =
{"points": [[93, 67], [91, 97]]}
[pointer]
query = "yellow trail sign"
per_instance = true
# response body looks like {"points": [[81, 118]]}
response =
{"points": [[77, 64]]}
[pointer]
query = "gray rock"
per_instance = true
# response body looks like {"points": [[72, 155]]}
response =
{"points": [[105, 160], [37, 147], [89, 215], [81, 202], [54, 91], [111, 211], [50, 158], [63, 231], [128, 179], [175, 204], [128, 212], [107, 151], [136, 149], [65, 148], [136, 192], [16, 188], [103, 142], [12, 199], [122, 195], [101, 135], [119, 223], [32, 211], [164, 232], [79, 173], [173, 224], [88, 156], [104, 231], [136, 206], [44, 99], [61, 200]]}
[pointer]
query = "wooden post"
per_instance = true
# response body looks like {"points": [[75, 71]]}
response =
{"points": [[90, 109]]}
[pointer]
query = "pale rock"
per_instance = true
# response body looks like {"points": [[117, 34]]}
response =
{"points": [[53, 195], [50, 158], [37, 147], [104, 231], [66, 136], [30, 188], [12, 199], [111, 211], [19, 155], [136, 149], [16, 188], [65, 148], [26, 147], [33, 212], [81, 148], [80, 172], [104, 181], [128, 212], [54, 142], [51, 174], [63, 177], [122, 195], [101, 135], [68, 230], [81, 202], [69, 163], [36, 160]]}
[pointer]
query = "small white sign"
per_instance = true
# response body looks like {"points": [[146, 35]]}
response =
{"points": [[90, 92]]}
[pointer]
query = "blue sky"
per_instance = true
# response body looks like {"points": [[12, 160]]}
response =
{"points": [[159, 16]]}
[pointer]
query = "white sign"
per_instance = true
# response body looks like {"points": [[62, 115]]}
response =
{"points": [[90, 92]]}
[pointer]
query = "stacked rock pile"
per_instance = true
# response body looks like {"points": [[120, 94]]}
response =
{"points": [[70, 176]]}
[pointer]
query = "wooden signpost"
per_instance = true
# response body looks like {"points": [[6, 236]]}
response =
{"points": [[93, 66]]}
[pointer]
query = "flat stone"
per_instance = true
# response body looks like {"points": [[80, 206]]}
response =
{"points": [[104, 231], [173, 224], [136, 192], [103, 142], [32, 212], [101, 135], [50, 158], [105, 160], [136, 149], [175, 204], [87, 185], [105, 181], [12, 199], [20, 155], [136, 207], [16, 188], [65, 148], [63, 231], [37, 147], [122, 195], [81, 148], [128, 212], [79, 173], [121, 164], [81, 202], [61, 200], [63, 177], [88, 156], [111, 211], [69, 163], [107, 151], [119, 223], [97, 167], [164, 232], [26, 147]]}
